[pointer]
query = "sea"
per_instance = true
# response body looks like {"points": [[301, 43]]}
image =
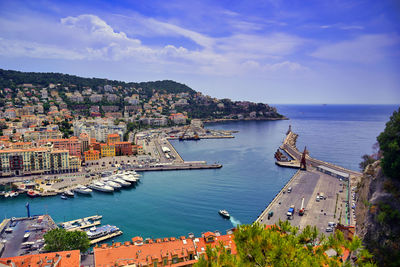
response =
{"points": [[175, 203]]}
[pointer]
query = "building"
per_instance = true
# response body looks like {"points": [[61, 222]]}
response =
{"points": [[178, 118], [107, 150], [40, 135], [85, 141], [161, 252], [98, 128], [73, 145], [140, 150], [113, 138], [41, 160], [91, 155], [123, 148], [334, 173], [70, 258]]}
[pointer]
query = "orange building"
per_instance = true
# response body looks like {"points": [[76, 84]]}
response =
{"points": [[91, 155], [123, 148], [113, 138], [70, 258], [73, 145]]}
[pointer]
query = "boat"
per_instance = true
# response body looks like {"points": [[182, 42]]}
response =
{"points": [[83, 190], [69, 193], [122, 182], [224, 214], [96, 232], [32, 193], [14, 194], [114, 185], [63, 196], [129, 179], [99, 186], [7, 194]]}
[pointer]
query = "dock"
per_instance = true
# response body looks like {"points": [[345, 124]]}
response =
{"points": [[175, 167], [334, 206], [97, 240], [95, 220]]}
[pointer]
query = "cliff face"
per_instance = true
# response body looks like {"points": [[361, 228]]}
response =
{"points": [[378, 215]]}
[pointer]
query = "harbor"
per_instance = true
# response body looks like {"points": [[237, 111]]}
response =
{"points": [[318, 194]]}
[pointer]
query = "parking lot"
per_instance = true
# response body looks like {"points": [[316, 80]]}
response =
{"points": [[22, 236], [309, 185]]}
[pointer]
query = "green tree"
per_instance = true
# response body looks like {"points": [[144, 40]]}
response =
{"points": [[389, 142], [284, 245], [61, 239]]}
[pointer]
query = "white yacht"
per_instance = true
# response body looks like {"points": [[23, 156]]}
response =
{"points": [[69, 193], [83, 190], [122, 182], [129, 178], [99, 186], [113, 184]]}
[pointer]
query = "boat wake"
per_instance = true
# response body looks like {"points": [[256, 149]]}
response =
{"points": [[234, 221]]}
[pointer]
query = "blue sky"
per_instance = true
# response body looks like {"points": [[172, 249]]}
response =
{"points": [[265, 51]]}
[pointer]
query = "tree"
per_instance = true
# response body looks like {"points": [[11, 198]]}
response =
{"points": [[389, 142], [284, 245], [60, 239]]}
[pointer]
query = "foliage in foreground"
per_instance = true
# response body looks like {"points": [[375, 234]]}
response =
{"points": [[285, 245], [61, 240], [389, 142]]}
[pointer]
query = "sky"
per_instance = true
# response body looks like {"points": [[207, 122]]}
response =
{"points": [[271, 51]]}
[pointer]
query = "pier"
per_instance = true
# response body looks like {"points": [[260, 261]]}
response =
{"points": [[330, 183], [100, 239], [83, 223]]}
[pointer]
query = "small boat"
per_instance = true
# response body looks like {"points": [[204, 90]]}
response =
{"points": [[63, 196], [32, 194], [7, 194], [83, 190], [69, 193], [14, 194], [224, 214]]}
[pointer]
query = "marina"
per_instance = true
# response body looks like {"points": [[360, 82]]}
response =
{"points": [[246, 184]]}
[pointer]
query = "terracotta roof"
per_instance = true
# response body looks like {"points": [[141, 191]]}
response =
{"points": [[146, 253], [70, 258]]}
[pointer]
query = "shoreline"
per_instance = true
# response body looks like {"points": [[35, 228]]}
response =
{"points": [[244, 119]]}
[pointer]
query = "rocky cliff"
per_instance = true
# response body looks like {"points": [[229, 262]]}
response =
{"points": [[378, 215]]}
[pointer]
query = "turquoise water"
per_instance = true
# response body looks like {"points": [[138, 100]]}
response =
{"points": [[178, 202]]}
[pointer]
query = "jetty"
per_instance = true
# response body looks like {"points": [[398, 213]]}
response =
{"points": [[82, 223], [100, 239], [321, 190]]}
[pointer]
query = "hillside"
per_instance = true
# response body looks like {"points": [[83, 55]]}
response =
{"points": [[96, 97]]}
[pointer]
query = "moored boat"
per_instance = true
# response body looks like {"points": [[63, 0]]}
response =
{"points": [[32, 193], [224, 214], [122, 182], [69, 193], [96, 232], [83, 190], [64, 196], [99, 186], [114, 185]]}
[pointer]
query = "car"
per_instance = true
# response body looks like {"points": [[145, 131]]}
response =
{"points": [[289, 190], [331, 224], [329, 229], [317, 199]]}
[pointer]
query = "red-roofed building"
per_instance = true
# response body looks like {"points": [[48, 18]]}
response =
{"points": [[73, 145], [169, 253], [123, 148], [70, 258]]}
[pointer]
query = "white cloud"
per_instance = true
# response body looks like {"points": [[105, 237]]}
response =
{"points": [[88, 37], [363, 49]]}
